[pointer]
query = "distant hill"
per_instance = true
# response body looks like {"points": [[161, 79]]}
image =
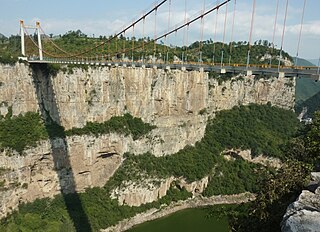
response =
{"points": [[304, 62], [314, 61], [306, 88], [307, 95], [312, 104], [3, 36]]}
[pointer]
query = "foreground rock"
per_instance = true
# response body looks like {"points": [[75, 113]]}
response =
{"points": [[304, 213]]}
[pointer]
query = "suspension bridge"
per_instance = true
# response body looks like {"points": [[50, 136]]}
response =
{"points": [[145, 52]]}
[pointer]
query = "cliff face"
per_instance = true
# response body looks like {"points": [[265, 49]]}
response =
{"points": [[178, 102]]}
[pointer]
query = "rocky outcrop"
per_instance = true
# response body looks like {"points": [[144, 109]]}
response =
{"points": [[195, 187], [136, 193], [304, 213], [246, 155], [154, 213]]}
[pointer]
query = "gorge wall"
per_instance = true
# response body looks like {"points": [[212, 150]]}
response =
{"points": [[179, 103]]}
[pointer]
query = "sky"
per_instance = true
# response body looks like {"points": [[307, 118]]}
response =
{"points": [[106, 17]]}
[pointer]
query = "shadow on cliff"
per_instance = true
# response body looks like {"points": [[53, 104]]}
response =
{"points": [[50, 112]]}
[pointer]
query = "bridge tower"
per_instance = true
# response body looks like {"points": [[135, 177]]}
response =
{"points": [[39, 40], [23, 51], [22, 36]]}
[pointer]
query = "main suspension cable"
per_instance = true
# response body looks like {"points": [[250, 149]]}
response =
{"points": [[155, 8], [32, 40], [177, 28]]}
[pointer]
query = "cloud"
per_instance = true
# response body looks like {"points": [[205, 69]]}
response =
{"points": [[309, 28]]}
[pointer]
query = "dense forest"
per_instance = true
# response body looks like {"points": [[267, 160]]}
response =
{"points": [[265, 129]]}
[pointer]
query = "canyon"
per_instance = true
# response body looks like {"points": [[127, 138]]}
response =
{"points": [[179, 103]]}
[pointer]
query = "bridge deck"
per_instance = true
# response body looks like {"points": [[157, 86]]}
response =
{"points": [[299, 71]]}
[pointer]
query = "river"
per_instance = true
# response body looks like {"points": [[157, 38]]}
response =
{"points": [[195, 219]]}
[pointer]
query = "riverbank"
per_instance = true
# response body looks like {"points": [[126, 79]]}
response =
{"points": [[195, 202]]}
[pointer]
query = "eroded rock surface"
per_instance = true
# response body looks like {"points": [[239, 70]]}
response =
{"points": [[136, 193], [304, 213]]}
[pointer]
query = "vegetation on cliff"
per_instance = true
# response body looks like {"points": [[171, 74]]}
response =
{"points": [[102, 211], [305, 147], [237, 125], [126, 124], [262, 128], [265, 214], [9, 49], [22, 131]]}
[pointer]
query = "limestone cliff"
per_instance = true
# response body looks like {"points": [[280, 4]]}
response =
{"points": [[138, 193], [178, 102]]}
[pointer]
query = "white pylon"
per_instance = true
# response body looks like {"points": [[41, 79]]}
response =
{"points": [[39, 40], [23, 51]]}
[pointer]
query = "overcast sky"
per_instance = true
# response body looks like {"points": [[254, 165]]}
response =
{"points": [[103, 17]]}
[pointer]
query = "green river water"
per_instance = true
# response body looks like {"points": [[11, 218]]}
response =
{"points": [[189, 220]]}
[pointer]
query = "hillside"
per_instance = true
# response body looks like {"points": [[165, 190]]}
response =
{"points": [[305, 89], [75, 42], [2, 37], [314, 61], [307, 95], [312, 104], [303, 62]]}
